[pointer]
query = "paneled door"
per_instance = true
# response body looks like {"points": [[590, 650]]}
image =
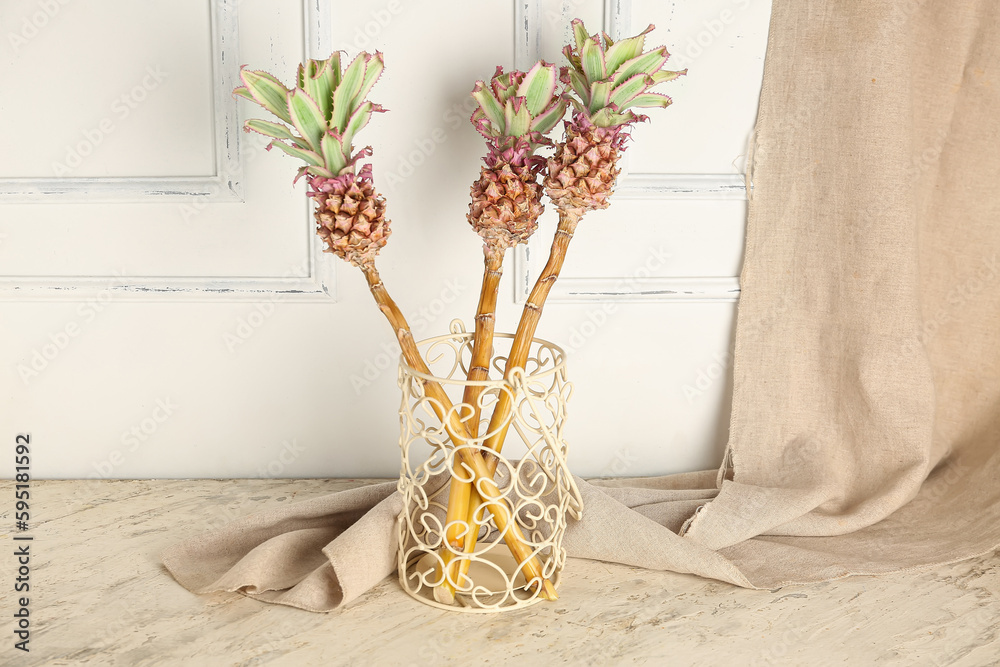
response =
{"points": [[166, 309]]}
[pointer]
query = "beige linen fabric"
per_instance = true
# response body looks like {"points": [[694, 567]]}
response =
{"points": [[866, 404]]}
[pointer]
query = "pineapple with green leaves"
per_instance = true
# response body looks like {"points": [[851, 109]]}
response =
{"points": [[515, 111], [320, 118], [607, 81]]}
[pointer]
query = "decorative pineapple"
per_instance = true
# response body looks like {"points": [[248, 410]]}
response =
{"points": [[515, 111], [326, 110], [608, 79]]}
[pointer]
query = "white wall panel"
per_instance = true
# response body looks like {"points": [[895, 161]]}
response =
{"points": [[188, 245], [175, 338], [721, 43]]}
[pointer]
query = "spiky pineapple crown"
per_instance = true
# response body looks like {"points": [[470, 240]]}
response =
{"points": [[516, 110], [321, 115], [607, 79]]}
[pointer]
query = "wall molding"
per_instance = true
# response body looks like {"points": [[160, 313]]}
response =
{"points": [[650, 186], [688, 289], [226, 184], [670, 289], [314, 280]]}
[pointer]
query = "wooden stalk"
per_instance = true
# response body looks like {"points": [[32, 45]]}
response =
{"points": [[526, 328], [522, 345], [459, 436], [462, 494]]}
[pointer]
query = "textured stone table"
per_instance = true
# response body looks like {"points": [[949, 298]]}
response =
{"points": [[100, 597]]}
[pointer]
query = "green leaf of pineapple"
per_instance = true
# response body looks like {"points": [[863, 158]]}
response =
{"points": [[355, 123], [269, 129], [333, 153], [547, 119], [626, 49], [268, 92], [332, 71], [307, 117], [310, 157], [320, 171], [647, 63], [490, 106], [580, 87], [349, 86], [630, 88], [665, 75], [573, 58], [244, 93], [537, 87], [518, 122], [592, 58], [600, 95], [318, 87], [649, 100], [607, 117], [579, 34], [373, 70]]}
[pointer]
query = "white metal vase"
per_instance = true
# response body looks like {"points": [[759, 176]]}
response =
{"points": [[532, 476]]}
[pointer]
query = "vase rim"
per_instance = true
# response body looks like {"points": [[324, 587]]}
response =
{"points": [[559, 359]]}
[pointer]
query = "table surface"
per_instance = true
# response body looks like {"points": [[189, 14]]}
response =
{"points": [[99, 596]]}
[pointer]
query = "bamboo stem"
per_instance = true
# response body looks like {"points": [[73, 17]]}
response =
{"points": [[460, 436], [526, 329], [462, 497], [519, 350], [486, 317]]}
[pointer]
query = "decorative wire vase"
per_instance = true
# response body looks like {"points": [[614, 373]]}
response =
{"points": [[532, 475]]}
